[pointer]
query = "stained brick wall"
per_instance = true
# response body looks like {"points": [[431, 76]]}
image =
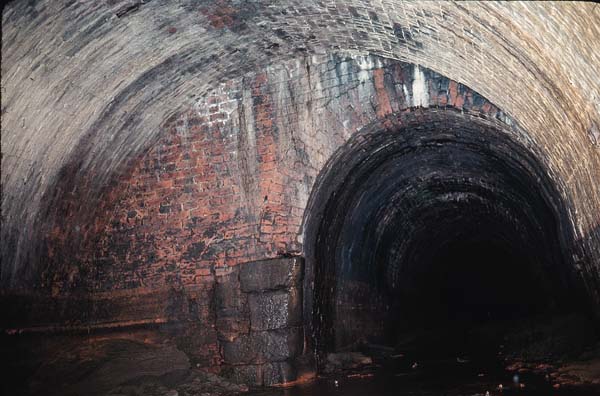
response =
{"points": [[227, 183], [229, 180], [123, 205], [86, 87]]}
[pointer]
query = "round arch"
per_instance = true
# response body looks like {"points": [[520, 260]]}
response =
{"points": [[433, 215]]}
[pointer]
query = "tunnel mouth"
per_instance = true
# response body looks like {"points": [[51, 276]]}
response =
{"points": [[435, 225]]}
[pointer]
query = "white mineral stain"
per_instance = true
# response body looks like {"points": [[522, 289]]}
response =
{"points": [[419, 88], [365, 65]]}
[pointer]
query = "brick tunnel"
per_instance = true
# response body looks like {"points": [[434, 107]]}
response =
{"points": [[421, 222], [243, 192]]}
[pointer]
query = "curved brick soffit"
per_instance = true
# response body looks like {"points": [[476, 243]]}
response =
{"points": [[183, 46]]}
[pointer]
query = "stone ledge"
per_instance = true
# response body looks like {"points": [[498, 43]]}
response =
{"points": [[272, 274]]}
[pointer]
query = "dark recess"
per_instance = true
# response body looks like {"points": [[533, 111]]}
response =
{"points": [[441, 221]]}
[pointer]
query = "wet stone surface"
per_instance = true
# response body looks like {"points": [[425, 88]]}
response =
{"points": [[264, 346], [275, 310], [259, 321]]}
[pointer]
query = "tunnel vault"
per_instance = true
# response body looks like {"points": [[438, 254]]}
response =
{"points": [[412, 199], [174, 153], [434, 217]]}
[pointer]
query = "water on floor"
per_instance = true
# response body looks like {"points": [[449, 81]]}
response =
{"points": [[433, 378]]}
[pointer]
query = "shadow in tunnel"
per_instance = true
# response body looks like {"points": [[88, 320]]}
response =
{"points": [[480, 281], [463, 303], [443, 234]]}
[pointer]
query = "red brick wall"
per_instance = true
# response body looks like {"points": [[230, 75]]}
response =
{"points": [[228, 182]]}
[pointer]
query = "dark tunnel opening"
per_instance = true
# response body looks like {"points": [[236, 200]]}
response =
{"points": [[440, 233]]}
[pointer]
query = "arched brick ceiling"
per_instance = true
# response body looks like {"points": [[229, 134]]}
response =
{"points": [[91, 83]]}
